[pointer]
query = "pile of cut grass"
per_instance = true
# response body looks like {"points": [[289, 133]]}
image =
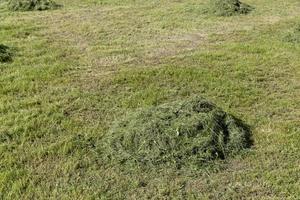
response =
{"points": [[31, 5], [294, 35], [5, 53], [228, 7], [186, 133]]}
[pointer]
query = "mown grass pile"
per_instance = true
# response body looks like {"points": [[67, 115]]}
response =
{"points": [[294, 35], [180, 134], [228, 7], [5, 53], [31, 5]]}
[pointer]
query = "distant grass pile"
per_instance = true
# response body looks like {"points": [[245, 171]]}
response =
{"points": [[180, 134], [5, 54], [31, 5], [294, 35], [228, 7]]}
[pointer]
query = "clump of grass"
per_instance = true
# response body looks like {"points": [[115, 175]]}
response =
{"points": [[228, 7], [31, 5], [294, 35], [184, 133], [5, 53]]}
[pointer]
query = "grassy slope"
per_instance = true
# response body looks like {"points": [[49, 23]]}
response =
{"points": [[78, 68]]}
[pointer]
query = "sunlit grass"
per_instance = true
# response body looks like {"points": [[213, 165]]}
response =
{"points": [[77, 69]]}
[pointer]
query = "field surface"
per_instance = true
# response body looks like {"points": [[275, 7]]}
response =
{"points": [[78, 68]]}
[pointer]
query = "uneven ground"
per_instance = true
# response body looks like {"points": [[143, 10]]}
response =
{"points": [[78, 68]]}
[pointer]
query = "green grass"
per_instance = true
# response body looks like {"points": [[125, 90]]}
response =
{"points": [[78, 68]]}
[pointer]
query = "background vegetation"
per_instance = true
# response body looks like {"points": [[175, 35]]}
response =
{"points": [[78, 68]]}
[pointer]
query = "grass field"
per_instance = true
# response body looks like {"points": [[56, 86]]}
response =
{"points": [[78, 68]]}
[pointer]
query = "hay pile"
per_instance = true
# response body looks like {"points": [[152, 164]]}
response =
{"points": [[294, 35], [5, 53], [183, 133], [31, 5], [228, 7]]}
